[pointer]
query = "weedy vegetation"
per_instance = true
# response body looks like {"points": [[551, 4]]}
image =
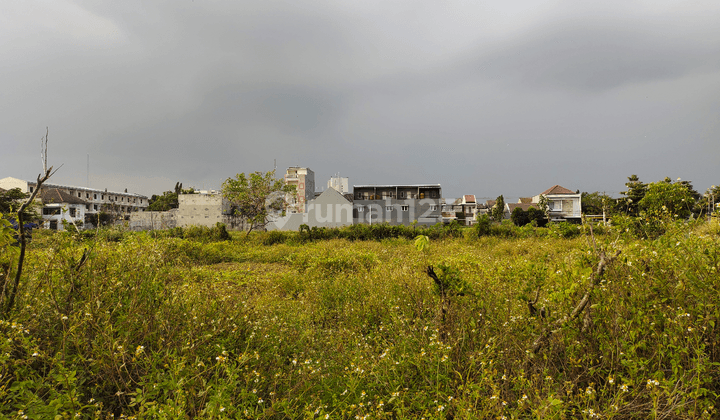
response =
{"points": [[363, 322]]}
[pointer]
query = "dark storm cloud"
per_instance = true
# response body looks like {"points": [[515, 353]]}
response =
{"points": [[595, 55], [485, 98]]}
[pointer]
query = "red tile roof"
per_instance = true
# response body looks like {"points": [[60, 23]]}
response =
{"points": [[469, 198], [556, 189]]}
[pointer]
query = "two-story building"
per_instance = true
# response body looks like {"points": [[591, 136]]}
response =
{"points": [[563, 204], [397, 204]]}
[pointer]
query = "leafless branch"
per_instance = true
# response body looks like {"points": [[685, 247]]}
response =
{"points": [[41, 179]]}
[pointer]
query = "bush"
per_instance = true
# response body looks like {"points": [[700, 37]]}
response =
{"points": [[519, 217], [482, 227], [564, 229], [274, 237]]}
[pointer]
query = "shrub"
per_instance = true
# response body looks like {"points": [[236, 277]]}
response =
{"points": [[482, 227]]}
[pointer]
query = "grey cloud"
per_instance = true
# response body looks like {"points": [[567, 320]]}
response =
{"points": [[195, 91], [595, 55]]}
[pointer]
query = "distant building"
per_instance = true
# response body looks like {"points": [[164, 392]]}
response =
{"points": [[304, 181], [563, 204], [59, 207], [94, 201], [397, 204], [339, 184]]}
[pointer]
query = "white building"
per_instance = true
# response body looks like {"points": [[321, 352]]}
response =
{"points": [[563, 204], [339, 184], [92, 200], [59, 207]]}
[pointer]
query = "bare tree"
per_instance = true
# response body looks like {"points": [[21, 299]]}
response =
{"points": [[41, 179]]}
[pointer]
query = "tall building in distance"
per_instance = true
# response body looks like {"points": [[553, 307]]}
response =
{"points": [[304, 181], [339, 184]]}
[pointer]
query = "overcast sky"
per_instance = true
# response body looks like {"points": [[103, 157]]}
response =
{"points": [[483, 97]]}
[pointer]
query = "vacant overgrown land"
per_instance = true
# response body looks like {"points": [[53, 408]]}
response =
{"points": [[532, 323]]}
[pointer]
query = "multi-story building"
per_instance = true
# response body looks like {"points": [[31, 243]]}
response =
{"points": [[339, 184], [304, 181], [397, 204], [56, 197]]}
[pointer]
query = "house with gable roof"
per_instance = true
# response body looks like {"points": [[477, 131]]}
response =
{"points": [[563, 204], [59, 206]]}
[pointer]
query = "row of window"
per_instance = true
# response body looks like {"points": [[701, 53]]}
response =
{"points": [[391, 208], [102, 197], [402, 195], [53, 211], [110, 197]]}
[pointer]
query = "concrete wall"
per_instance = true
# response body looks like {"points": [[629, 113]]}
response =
{"points": [[201, 210], [9, 183], [193, 210], [153, 220]]}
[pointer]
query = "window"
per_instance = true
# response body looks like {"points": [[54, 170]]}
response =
{"points": [[388, 208], [361, 209], [402, 194], [79, 195], [405, 208], [31, 189], [433, 207], [95, 207], [95, 197], [51, 211], [72, 212], [87, 195]]}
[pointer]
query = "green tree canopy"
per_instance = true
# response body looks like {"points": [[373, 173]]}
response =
{"points": [[11, 200], [498, 211], [635, 192], [256, 196], [667, 199], [519, 217], [168, 200], [537, 216], [596, 202]]}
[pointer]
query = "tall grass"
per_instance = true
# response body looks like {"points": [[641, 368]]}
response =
{"points": [[154, 326]]}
